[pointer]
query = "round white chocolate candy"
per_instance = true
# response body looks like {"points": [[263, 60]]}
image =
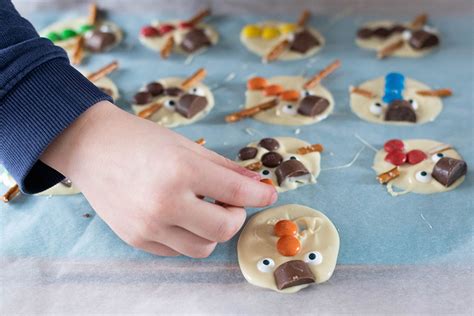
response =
{"points": [[287, 112], [420, 177], [379, 42], [373, 110], [167, 115], [262, 263], [262, 37], [287, 169]]}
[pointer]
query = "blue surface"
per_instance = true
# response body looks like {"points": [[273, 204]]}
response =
{"points": [[374, 227]]}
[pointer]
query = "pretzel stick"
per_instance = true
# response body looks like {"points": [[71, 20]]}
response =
{"points": [[439, 149], [165, 51], [390, 49], [201, 141], [276, 51], [248, 112], [322, 74], [78, 52], [254, 166], [11, 193], [93, 14], [199, 17], [419, 21], [365, 93], [152, 109], [194, 78], [310, 149], [435, 93], [304, 17], [388, 176], [104, 71]]}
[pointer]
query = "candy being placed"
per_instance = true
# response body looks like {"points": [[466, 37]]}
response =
{"points": [[195, 40], [247, 153], [448, 170], [303, 42], [98, 41], [292, 170], [190, 104], [400, 111], [271, 159], [414, 171], [312, 105], [422, 40], [155, 88], [288, 260], [269, 144]]}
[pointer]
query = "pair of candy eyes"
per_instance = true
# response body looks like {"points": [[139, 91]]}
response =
{"points": [[267, 264], [290, 108], [376, 107], [266, 172], [170, 104], [424, 176]]}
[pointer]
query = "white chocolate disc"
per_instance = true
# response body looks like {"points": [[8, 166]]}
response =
{"points": [[278, 115], [408, 180], [258, 241], [106, 83], [261, 46], [157, 42], [374, 43], [288, 148], [168, 117], [428, 109]]}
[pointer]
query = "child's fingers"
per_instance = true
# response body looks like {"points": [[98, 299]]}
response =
{"points": [[211, 221], [230, 187], [158, 249], [187, 243]]}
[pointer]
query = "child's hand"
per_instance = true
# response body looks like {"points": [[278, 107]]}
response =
{"points": [[143, 180]]}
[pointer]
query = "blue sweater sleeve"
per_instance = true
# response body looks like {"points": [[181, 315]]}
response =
{"points": [[41, 94]]}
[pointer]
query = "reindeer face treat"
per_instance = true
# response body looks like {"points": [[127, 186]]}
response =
{"points": [[288, 248], [389, 38], [394, 99], [83, 35], [287, 100], [188, 37], [288, 162], [173, 102], [274, 40], [420, 166]]}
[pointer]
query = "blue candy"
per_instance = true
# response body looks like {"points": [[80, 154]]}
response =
{"points": [[394, 86]]}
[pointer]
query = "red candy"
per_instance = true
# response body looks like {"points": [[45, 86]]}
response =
{"points": [[396, 158], [185, 25], [165, 28], [149, 31], [415, 156], [394, 145]]}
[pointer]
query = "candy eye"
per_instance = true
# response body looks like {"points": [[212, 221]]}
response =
{"points": [[197, 91], [423, 176], [289, 109], [293, 158], [437, 157], [306, 93], [406, 35], [414, 104], [266, 265], [376, 108], [170, 104], [265, 173], [313, 257]]}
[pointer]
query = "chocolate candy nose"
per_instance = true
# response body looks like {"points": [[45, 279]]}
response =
{"points": [[293, 273], [312, 105], [421, 39], [400, 111], [447, 170], [290, 169], [190, 104]]}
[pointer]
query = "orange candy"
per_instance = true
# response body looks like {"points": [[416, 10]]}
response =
{"points": [[257, 83], [267, 181], [285, 227], [288, 246], [290, 95], [273, 89]]}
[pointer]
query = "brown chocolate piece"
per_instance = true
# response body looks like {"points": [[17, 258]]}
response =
{"points": [[290, 169], [66, 182], [447, 170], [247, 153], [269, 144], [293, 273], [400, 111], [364, 33], [190, 104], [382, 32], [303, 42], [99, 41], [143, 97], [398, 28], [271, 159], [312, 105], [155, 88], [194, 40], [173, 91], [421, 39]]}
